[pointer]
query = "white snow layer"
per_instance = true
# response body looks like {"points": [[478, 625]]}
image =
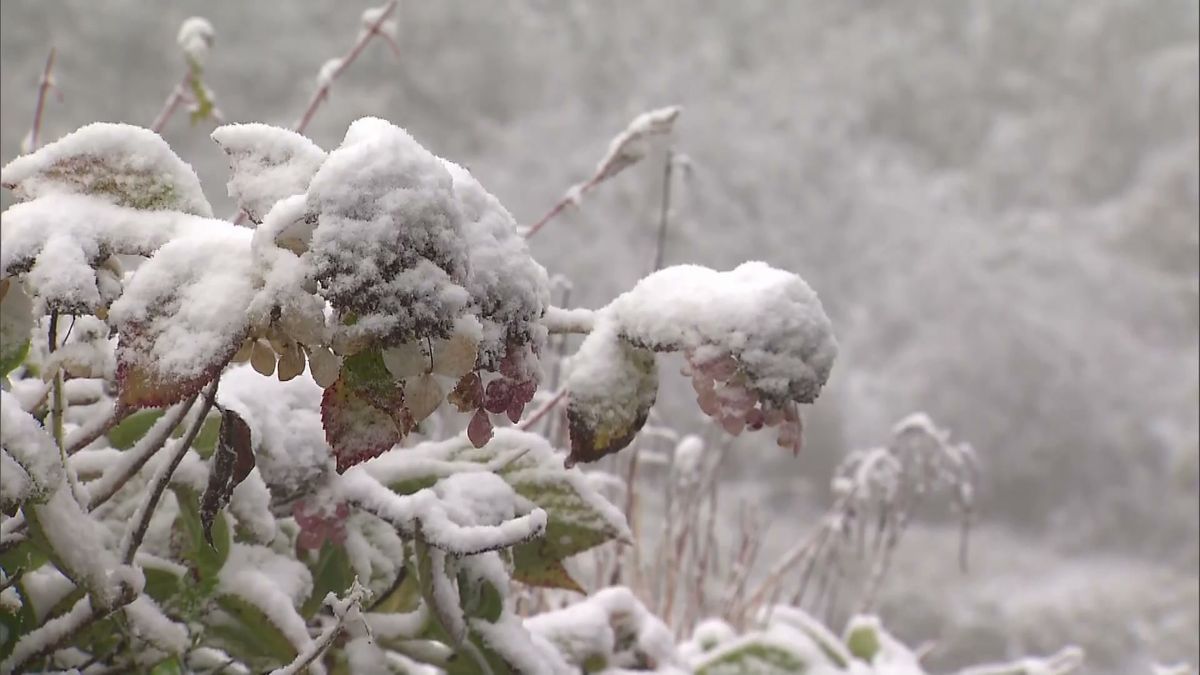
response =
{"points": [[267, 163]]}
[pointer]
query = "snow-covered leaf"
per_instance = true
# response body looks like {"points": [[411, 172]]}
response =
{"points": [[267, 164], [119, 163], [247, 632], [364, 412], [182, 317], [16, 324], [613, 384], [204, 558]]}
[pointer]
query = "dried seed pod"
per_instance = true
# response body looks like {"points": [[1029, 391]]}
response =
{"points": [[406, 360], [324, 366], [262, 357], [243, 353], [454, 357], [422, 395], [291, 363]]}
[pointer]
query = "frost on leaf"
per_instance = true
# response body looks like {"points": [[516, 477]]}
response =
{"points": [[613, 384], [183, 316], [32, 450], [16, 324], [364, 412], [629, 146], [118, 163], [388, 250], [267, 164], [58, 242]]}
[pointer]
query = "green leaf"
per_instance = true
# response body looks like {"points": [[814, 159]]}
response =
{"points": [[131, 429], [363, 412], [171, 666], [330, 573], [161, 585], [206, 560], [247, 634], [755, 656], [612, 391], [16, 323]]}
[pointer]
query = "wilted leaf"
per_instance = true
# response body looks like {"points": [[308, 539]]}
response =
{"points": [[612, 387], [122, 164], [232, 462], [16, 323], [534, 567], [363, 412]]}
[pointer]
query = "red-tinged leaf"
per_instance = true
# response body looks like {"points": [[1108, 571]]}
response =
{"points": [[479, 431], [467, 395], [231, 463], [364, 412], [144, 387], [497, 396], [533, 568]]}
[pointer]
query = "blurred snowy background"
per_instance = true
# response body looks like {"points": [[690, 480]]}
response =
{"points": [[997, 203]]}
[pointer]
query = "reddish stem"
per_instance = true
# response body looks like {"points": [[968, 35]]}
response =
{"points": [[322, 92], [172, 103], [43, 88], [542, 410]]}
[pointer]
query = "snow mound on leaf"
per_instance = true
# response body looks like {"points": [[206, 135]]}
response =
{"points": [[770, 320], [267, 164], [129, 165], [388, 248]]}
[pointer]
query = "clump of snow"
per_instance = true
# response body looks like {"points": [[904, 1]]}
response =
{"points": [[119, 163], [388, 249], [267, 163], [148, 623], [30, 447], [196, 37], [479, 498], [273, 583], [770, 321], [613, 385]]}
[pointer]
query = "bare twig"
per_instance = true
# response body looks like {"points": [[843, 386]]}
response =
{"points": [[45, 639], [664, 214], [83, 436], [178, 96], [322, 92], [542, 410], [44, 86]]}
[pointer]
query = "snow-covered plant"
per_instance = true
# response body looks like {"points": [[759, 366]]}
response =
{"points": [[257, 479]]}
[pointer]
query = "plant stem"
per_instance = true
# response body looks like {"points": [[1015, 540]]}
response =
{"points": [[322, 92], [43, 88], [172, 103]]}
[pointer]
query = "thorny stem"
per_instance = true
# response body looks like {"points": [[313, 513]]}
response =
{"points": [[322, 92], [138, 531], [44, 86]]}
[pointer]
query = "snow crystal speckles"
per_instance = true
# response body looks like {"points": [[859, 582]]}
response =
{"points": [[267, 164], [120, 163], [148, 623], [26, 442], [769, 319], [388, 247], [478, 498]]}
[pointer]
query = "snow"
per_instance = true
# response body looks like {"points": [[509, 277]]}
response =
{"points": [[195, 38], [289, 444], [267, 163], [770, 320], [478, 498], [59, 241], [423, 509], [612, 383], [77, 541], [49, 633], [630, 146], [45, 587], [119, 163], [148, 623], [28, 445], [388, 246], [184, 308], [275, 584], [509, 289]]}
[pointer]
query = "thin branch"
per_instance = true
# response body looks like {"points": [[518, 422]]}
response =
{"points": [[322, 92], [348, 606], [558, 320], [84, 435], [136, 533], [177, 97], [44, 86], [542, 410], [103, 488]]}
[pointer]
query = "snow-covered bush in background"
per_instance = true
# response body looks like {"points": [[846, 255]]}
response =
{"points": [[225, 446]]}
